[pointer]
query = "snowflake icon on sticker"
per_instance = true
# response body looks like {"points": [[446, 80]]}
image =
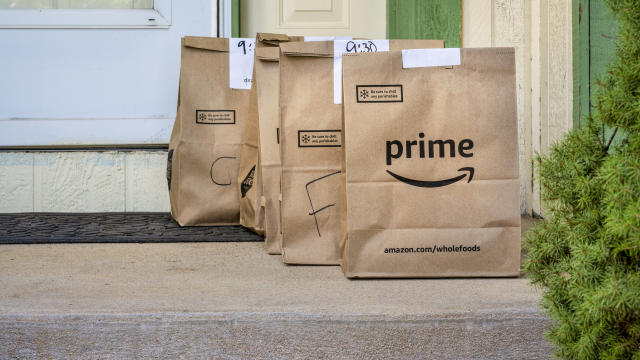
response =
{"points": [[364, 94], [306, 139], [203, 117]]}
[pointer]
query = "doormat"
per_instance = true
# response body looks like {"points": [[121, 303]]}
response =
{"points": [[48, 228]]}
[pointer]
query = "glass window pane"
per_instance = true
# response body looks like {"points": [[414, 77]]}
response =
{"points": [[76, 4], [25, 4]]}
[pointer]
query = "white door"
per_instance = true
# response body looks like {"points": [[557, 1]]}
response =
{"points": [[93, 72], [356, 18]]}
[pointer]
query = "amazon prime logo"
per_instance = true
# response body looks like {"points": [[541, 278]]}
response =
{"points": [[430, 148]]}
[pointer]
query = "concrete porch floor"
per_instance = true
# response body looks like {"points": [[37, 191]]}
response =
{"points": [[232, 300]]}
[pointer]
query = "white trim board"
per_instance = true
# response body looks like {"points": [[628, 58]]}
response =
{"points": [[159, 17], [224, 18], [79, 132]]}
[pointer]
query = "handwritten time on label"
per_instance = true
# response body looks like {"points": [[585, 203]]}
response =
{"points": [[351, 46], [241, 60], [360, 46]]}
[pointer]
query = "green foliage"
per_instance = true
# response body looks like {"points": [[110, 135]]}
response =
{"points": [[586, 253]]}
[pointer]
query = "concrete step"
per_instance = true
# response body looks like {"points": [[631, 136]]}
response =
{"points": [[231, 300]]}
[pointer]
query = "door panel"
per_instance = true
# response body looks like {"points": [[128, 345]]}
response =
{"points": [[94, 86], [357, 18], [314, 14], [419, 19], [594, 37]]}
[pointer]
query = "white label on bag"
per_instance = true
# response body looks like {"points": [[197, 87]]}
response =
{"points": [[351, 46], [416, 58], [326, 38], [241, 62]]}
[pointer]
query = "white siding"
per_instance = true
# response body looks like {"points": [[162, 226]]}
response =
{"points": [[540, 31]]}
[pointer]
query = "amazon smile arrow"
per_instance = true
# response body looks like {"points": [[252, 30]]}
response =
{"points": [[433, 184]]}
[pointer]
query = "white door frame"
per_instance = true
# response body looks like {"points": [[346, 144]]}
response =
{"points": [[158, 17], [224, 18]]}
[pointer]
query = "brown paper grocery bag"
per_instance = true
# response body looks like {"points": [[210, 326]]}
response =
{"points": [[259, 202], [311, 145], [431, 165], [205, 144]]}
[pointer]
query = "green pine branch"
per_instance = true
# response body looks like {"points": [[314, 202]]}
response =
{"points": [[586, 252]]}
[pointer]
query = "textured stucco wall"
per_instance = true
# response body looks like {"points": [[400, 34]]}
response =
{"points": [[83, 181]]}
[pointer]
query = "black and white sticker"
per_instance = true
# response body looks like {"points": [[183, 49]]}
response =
{"points": [[379, 93], [319, 138]]}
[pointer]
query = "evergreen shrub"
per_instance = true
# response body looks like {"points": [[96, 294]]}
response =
{"points": [[586, 252]]}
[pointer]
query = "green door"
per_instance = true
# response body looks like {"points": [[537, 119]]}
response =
{"points": [[594, 45], [407, 19], [425, 19]]}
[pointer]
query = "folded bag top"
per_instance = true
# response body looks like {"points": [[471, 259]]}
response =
{"points": [[268, 53], [206, 43]]}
